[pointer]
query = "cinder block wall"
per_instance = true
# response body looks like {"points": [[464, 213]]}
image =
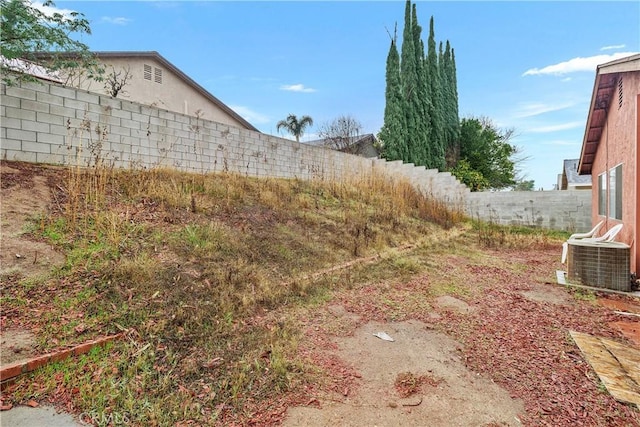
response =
{"points": [[49, 123], [556, 210]]}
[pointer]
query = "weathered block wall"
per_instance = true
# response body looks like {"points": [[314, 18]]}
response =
{"points": [[49, 123], [557, 210]]}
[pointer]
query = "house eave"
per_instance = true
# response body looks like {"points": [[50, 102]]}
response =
{"points": [[603, 89]]}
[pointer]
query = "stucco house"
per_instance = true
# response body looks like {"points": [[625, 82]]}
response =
{"points": [[569, 179], [610, 150], [152, 80]]}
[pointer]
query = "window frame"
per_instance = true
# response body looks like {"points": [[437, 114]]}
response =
{"points": [[614, 199], [602, 194]]}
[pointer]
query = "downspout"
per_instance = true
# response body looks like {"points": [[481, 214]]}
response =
{"points": [[636, 192], [606, 172]]}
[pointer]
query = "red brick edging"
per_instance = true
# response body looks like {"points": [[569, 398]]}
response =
{"points": [[11, 371]]}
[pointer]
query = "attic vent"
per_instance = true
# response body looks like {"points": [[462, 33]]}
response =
{"points": [[147, 72], [158, 75], [620, 93]]}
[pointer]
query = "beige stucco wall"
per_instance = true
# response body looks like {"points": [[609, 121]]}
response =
{"points": [[618, 145], [173, 94]]}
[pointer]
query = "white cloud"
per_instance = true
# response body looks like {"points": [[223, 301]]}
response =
{"points": [[51, 10], [117, 21], [297, 88], [612, 47], [537, 108], [576, 64], [250, 115], [555, 128]]}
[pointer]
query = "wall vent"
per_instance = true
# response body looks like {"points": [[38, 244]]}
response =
{"points": [[147, 72], [601, 265], [620, 93]]}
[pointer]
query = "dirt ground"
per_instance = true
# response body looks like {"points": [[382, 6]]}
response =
{"points": [[23, 195], [497, 353], [456, 397], [496, 357]]}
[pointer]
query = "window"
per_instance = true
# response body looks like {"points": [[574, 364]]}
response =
{"points": [[158, 75], [147, 72], [615, 192], [602, 194]]}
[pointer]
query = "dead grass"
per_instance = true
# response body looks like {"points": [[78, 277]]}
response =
{"points": [[220, 282], [492, 235], [195, 268]]}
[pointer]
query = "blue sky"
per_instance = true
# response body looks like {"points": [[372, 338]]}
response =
{"points": [[529, 66]]}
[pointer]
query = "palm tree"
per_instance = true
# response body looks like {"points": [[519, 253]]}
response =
{"points": [[294, 126]]}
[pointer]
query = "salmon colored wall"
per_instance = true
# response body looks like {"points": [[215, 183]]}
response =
{"points": [[636, 263], [618, 145]]}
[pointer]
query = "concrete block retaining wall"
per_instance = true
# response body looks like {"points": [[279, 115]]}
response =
{"points": [[556, 210], [49, 123]]}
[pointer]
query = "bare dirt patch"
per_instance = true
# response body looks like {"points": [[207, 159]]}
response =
{"points": [[448, 302], [24, 193], [548, 294], [23, 196], [16, 344], [457, 397]]}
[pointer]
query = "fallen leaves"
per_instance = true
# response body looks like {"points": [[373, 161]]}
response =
{"points": [[524, 346], [5, 406]]}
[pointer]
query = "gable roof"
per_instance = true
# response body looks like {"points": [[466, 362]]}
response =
{"points": [[169, 66], [155, 55], [360, 145], [606, 78]]}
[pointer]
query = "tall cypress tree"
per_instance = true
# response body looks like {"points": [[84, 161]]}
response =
{"points": [[454, 88], [452, 121], [446, 99], [435, 114], [392, 133], [420, 101], [409, 78]]}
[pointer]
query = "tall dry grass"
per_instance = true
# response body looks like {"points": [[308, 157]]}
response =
{"points": [[192, 264]]}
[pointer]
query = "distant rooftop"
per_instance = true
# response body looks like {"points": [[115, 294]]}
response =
{"points": [[351, 140], [571, 172], [361, 145]]}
